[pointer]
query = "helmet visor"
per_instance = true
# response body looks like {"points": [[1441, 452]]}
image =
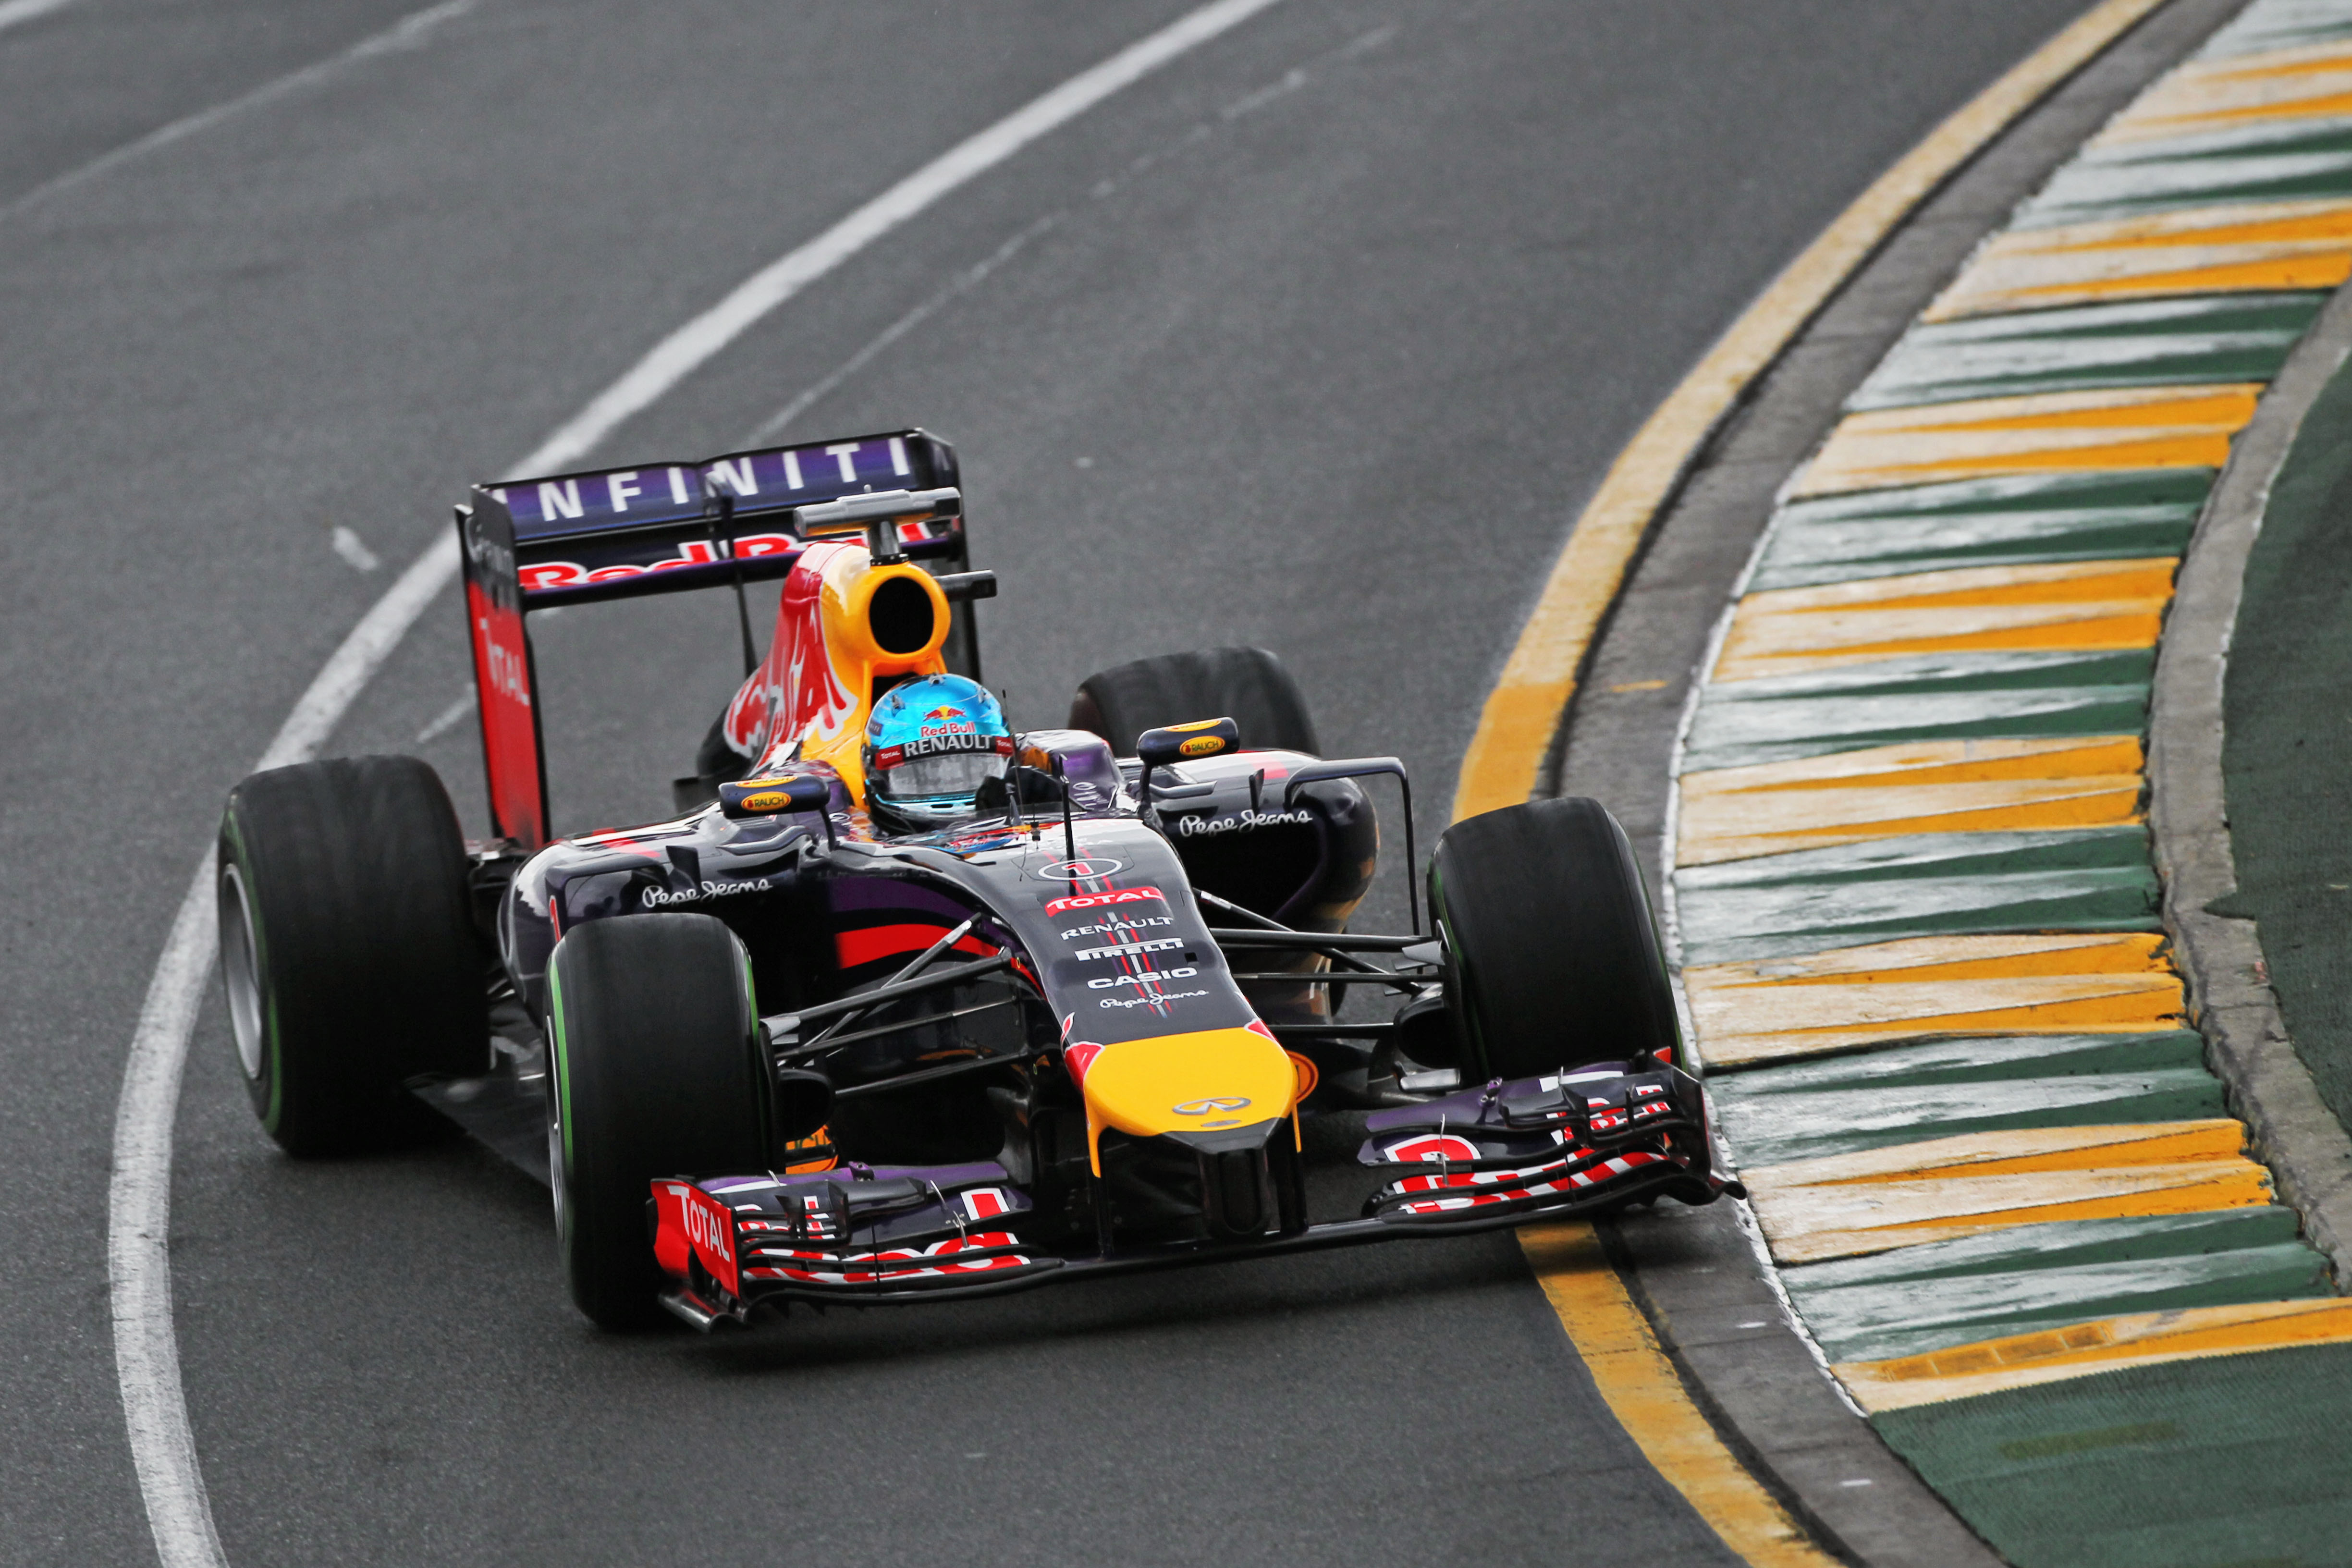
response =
{"points": [[950, 772]]}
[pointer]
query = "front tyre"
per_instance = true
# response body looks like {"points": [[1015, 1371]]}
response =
{"points": [[657, 1071], [1552, 958], [348, 950]]}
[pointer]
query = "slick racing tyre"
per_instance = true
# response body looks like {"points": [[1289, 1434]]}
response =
{"points": [[1247, 685], [1552, 958], [348, 950], [656, 1072]]}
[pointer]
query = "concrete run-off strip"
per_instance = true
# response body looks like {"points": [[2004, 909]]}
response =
{"points": [[2286, 685]]}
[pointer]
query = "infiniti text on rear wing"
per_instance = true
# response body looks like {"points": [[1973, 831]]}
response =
{"points": [[534, 543]]}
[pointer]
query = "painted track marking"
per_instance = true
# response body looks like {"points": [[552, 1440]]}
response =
{"points": [[410, 32], [692, 345], [1646, 1396], [963, 282], [138, 1257], [16, 11], [139, 1196], [956, 288]]}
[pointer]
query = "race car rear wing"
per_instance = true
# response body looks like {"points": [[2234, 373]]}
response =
{"points": [[657, 528], [614, 534]]}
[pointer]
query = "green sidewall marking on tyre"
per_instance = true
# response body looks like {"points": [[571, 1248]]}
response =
{"points": [[1466, 987], [562, 1087]]}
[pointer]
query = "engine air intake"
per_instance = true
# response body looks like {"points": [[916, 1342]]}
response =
{"points": [[902, 616]]}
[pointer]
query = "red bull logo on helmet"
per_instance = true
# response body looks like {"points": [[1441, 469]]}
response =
{"points": [[947, 720]]}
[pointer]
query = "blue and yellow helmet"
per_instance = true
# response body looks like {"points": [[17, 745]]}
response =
{"points": [[930, 745]]}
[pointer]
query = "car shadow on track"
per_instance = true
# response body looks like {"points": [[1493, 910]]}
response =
{"points": [[1418, 1276], [1434, 1277]]}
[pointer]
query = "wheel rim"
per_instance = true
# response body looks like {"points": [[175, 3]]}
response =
{"points": [[241, 970]]}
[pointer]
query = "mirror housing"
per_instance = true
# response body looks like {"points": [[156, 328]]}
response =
{"points": [[1181, 742], [768, 796], [1188, 743], [1019, 785]]}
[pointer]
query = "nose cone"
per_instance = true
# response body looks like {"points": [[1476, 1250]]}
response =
{"points": [[1210, 1081]]}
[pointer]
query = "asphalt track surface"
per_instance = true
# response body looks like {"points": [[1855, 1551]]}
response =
{"points": [[1315, 339]]}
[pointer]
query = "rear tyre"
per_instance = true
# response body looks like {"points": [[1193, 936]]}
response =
{"points": [[348, 950], [1248, 685], [1552, 958], [656, 1072]]}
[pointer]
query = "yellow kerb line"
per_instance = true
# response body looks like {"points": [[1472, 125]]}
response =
{"points": [[1523, 711], [1646, 1396]]}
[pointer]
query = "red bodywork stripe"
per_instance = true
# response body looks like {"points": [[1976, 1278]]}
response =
{"points": [[875, 944]]}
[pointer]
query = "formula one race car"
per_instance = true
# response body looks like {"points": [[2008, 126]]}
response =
{"points": [[901, 1005]]}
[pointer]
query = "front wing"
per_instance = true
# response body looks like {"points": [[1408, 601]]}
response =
{"points": [[1562, 1145]]}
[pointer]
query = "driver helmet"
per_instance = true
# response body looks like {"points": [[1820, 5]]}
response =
{"points": [[929, 744]]}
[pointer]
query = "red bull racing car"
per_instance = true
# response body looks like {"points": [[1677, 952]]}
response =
{"points": [[899, 1006]]}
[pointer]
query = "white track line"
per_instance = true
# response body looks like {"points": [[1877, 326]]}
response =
{"points": [[146, 1347], [962, 283], [15, 11], [685, 350], [410, 32], [138, 1257]]}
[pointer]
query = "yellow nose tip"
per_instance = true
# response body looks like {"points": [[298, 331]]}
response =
{"points": [[1169, 1083]]}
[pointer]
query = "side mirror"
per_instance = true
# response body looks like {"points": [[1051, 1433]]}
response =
{"points": [[800, 1104], [1036, 786], [1019, 785], [1181, 742], [1188, 743], [766, 798], [1076, 755]]}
